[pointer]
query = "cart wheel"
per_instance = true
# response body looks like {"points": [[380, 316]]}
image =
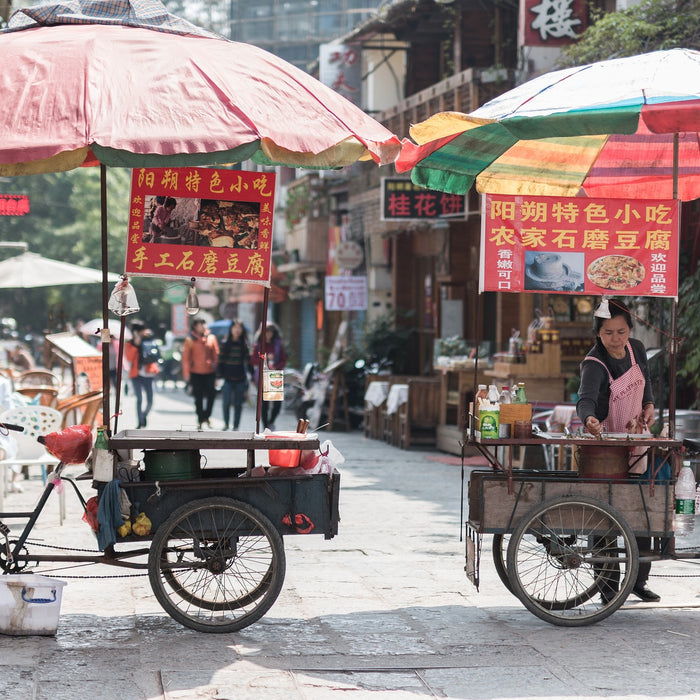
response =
{"points": [[499, 551], [216, 565], [565, 552]]}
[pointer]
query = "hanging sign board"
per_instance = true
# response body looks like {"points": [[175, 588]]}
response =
{"points": [[577, 245], [346, 293], [401, 200], [201, 222]]}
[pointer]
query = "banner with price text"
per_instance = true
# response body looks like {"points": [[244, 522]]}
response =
{"points": [[201, 222], [577, 245], [346, 293]]}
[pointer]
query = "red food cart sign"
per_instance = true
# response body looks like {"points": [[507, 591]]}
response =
{"points": [[201, 222], [577, 245]]}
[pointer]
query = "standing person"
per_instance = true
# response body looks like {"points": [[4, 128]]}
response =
{"points": [[615, 396], [233, 369], [200, 357], [275, 358], [142, 354]]}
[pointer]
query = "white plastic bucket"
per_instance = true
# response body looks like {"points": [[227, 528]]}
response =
{"points": [[29, 604]]}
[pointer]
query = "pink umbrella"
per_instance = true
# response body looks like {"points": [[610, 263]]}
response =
{"points": [[141, 92]]}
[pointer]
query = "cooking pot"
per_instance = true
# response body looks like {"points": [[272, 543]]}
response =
{"points": [[164, 465]]}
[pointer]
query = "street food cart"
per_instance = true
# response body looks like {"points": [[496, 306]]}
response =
{"points": [[215, 560], [559, 537]]}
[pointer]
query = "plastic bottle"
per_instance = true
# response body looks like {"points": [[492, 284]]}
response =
{"points": [[684, 518], [505, 395], [493, 394], [481, 395], [102, 458], [489, 420]]}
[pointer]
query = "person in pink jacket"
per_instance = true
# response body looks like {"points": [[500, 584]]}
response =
{"points": [[200, 357]]}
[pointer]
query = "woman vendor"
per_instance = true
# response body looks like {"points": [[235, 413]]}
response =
{"points": [[615, 395]]}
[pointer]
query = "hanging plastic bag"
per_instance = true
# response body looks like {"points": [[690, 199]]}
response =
{"points": [[123, 300], [71, 445]]}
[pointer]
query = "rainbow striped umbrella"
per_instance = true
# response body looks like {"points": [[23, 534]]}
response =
{"points": [[602, 130]]}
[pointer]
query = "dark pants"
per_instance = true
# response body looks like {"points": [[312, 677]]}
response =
{"points": [[204, 393], [143, 386], [233, 393], [270, 411], [610, 575]]}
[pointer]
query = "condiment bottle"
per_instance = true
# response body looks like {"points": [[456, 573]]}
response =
{"points": [[481, 395], [520, 396], [505, 395]]}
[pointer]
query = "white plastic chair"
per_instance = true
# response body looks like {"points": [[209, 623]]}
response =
{"points": [[36, 421]]}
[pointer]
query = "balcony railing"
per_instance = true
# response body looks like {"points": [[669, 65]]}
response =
{"points": [[463, 92]]}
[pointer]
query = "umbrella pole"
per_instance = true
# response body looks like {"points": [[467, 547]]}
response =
{"points": [[262, 350], [674, 316], [120, 367], [105, 298]]}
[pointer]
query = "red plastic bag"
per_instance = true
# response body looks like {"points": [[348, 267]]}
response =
{"points": [[71, 445], [90, 514]]}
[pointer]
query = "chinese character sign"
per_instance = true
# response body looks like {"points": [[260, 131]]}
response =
{"points": [[340, 68], [401, 199], [346, 294], [576, 245], [201, 222], [14, 204], [551, 22]]}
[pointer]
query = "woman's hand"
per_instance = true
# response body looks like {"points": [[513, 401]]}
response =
{"points": [[593, 426], [647, 417]]}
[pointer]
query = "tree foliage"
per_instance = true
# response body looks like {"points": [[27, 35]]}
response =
{"points": [[651, 25], [64, 223]]}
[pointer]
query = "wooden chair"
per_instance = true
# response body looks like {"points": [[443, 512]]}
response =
{"points": [[82, 409], [372, 414], [48, 395], [419, 417], [37, 377]]}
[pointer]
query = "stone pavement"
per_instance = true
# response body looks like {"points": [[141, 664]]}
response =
{"points": [[382, 610]]}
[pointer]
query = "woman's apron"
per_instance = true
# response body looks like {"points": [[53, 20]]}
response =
{"points": [[626, 396]]}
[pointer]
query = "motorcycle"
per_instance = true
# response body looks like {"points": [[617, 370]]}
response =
{"points": [[317, 388]]}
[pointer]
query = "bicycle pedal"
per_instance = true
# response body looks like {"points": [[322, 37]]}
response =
{"points": [[4, 530]]}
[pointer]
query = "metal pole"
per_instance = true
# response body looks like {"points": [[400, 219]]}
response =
{"points": [[105, 298], [674, 314], [262, 350]]}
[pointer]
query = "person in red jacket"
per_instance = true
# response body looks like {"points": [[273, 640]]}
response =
{"points": [[200, 357]]}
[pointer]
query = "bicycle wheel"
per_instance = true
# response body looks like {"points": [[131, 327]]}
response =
{"points": [[499, 550], [216, 565], [567, 550]]}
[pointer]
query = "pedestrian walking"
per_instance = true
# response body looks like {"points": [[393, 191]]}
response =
{"points": [[275, 358], [234, 364], [143, 356], [200, 358]]}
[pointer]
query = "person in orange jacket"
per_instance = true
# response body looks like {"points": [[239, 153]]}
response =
{"points": [[143, 356], [200, 357]]}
